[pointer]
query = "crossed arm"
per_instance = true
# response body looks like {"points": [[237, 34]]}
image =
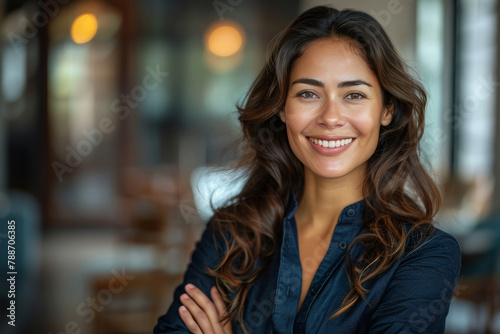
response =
{"points": [[200, 314]]}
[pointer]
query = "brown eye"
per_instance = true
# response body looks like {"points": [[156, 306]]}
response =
{"points": [[307, 95], [355, 96]]}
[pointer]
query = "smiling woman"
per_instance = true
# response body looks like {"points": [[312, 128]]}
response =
{"points": [[332, 231], [334, 96]]}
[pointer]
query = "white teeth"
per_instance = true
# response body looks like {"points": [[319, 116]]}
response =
{"points": [[331, 143]]}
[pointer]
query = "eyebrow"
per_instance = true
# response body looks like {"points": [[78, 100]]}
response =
{"points": [[342, 84]]}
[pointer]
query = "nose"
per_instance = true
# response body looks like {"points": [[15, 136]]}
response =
{"points": [[331, 115]]}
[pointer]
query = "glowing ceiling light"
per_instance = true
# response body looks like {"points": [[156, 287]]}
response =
{"points": [[224, 40], [84, 28]]}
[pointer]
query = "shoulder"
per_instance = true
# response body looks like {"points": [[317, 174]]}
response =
{"points": [[433, 247], [221, 233], [420, 286], [431, 238], [212, 245]]}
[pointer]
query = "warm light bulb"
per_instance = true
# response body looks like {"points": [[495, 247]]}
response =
{"points": [[84, 28], [224, 41]]}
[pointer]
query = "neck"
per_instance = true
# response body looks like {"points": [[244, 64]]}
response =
{"points": [[323, 199]]}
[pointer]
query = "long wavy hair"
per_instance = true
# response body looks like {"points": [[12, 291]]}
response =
{"points": [[397, 190]]}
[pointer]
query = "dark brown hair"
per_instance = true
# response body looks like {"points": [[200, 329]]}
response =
{"points": [[397, 189]]}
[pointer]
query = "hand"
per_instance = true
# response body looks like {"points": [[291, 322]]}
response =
{"points": [[200, 315]]}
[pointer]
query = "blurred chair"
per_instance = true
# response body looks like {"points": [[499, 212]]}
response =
{"points": [[151, 208], [157, 232], [136, 308], [480, 273]]}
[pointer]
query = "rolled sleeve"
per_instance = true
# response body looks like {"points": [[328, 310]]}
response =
{"points": [[418, 296]]}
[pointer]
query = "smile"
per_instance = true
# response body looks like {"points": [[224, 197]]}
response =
{"points": [[331, 143]]}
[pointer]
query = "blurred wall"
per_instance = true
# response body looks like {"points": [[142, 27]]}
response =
{"points": [[495, 207]]}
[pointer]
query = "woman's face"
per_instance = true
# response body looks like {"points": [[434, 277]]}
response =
{"points": [[334, 110]]}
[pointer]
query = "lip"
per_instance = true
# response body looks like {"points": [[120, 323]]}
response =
{"points": [[329, 150]]}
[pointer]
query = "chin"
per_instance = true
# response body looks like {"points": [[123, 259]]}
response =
{"points": [[337, 171], [330, 174], [333, 175]]}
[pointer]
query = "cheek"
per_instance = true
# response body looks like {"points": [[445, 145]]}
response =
{"points": [[367, 125], [293, 135], [296, 123], [294, 139]]}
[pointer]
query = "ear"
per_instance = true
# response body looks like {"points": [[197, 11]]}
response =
{"points": [[282, 115], [387, 114]]}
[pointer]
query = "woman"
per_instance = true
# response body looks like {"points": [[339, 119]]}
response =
{"points": [[332, 232]]}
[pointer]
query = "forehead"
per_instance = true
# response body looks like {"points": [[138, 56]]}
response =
{"points": [[332, 60]]}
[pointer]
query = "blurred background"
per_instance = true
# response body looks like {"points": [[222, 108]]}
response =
{"points": [[111, 110]]}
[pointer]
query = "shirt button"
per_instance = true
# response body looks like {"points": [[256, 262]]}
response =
{"points": [[313, 291], [342, 245], [351, 212]]}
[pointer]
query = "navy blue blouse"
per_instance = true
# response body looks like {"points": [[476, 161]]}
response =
{"points": [[412, 297]]}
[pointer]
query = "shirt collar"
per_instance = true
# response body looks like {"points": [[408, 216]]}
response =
{"points": [[351, 213], [292, 205]]}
